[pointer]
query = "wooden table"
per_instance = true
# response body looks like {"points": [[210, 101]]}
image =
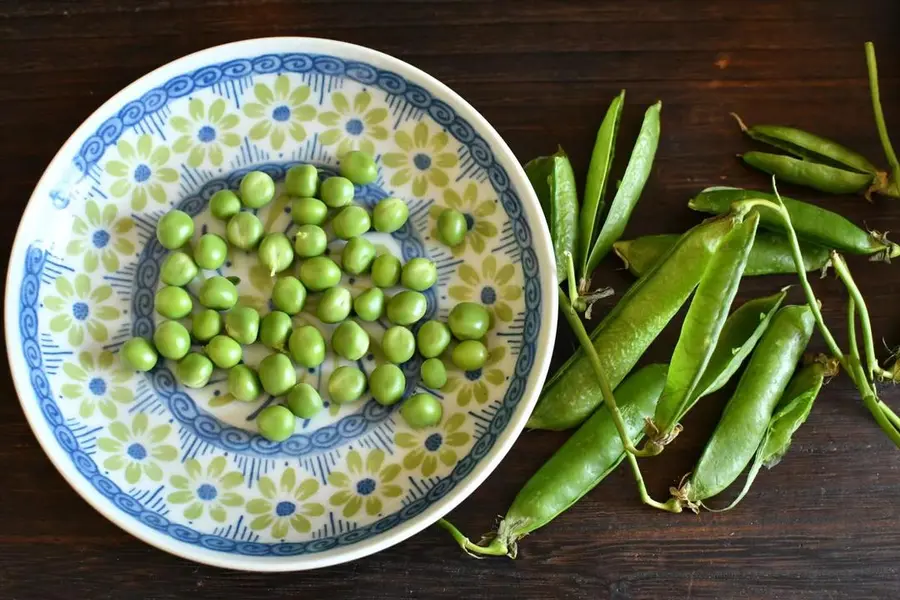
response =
{"points": [[823, 524]]}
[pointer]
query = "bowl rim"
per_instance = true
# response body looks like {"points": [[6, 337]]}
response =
{"points": [[541, 243]]}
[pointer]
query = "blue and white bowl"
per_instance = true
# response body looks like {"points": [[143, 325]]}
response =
{"points": [[185, 470]]}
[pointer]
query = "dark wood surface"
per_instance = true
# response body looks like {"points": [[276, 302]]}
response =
{"points": [[823, 524]]}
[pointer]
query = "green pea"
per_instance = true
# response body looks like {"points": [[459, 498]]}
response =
{"points": [[352, 221], [452, 227], [194, 370], [308, 211], [359, 167], [218, 293], [387, 383], [310, 241], [257, 189], [277, 374], [173, 302], [369, 305], [390, 214], [224, 204], [469, 321], [139, 354], [304, 401], [386, 270], [210, 251], [350, 341], [336, 191], [274, 330], [307, 346], [224, 351], [301, 180], [174, 229], [334, 305], [432, 338], [205, 324], [178, 269], [244, 230], [398, 344], [346, 384], [419, 274], [469, 355], [289, 295], [434, 373], [243, 383], [276, 423], [275, 253], [406, 307], [357, 255], [242, 324], [319, 273], [172, 340], [421, 411]]}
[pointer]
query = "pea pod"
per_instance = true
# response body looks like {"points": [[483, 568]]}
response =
{"points": [[573, 393], [811, 223], [770, 255], [636, 174], [554, 183], [824, 178], [809, 147], [702, 326], [790, 414], [587, 457], [747, 415], [598, 175]]}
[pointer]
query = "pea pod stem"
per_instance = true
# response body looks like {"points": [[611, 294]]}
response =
{"points": [[605, 388], [495, 548], [892, 187], [851, 329], [851, 365]]}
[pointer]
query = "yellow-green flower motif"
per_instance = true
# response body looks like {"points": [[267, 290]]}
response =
{"points": [[489, 287], [353, 127], [284, 506], [81, 308], [205, 132], [474, 385], [206, 490], [99, 237], [423, 160], [365, 484], [141, 172], [137, 449], [477, 213], [428, 446], [279, 112], [96, 383]]}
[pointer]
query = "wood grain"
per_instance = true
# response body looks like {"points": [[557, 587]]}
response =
{"points": [[823, 524]]}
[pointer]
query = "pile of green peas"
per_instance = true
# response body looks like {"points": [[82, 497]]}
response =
{"points": [[216, 334]]}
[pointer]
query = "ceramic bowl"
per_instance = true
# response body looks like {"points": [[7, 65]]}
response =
{"points": [[186, 470]]}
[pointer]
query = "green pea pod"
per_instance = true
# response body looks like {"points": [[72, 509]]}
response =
{"points": [[554, 183], [812, 223], [824, 178], [572, 394], [636, 174], [790, 414], [702, 326], [739, 336], [770, 255], [746, 417], [809, 146], [598, 175], [587, 457]]}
